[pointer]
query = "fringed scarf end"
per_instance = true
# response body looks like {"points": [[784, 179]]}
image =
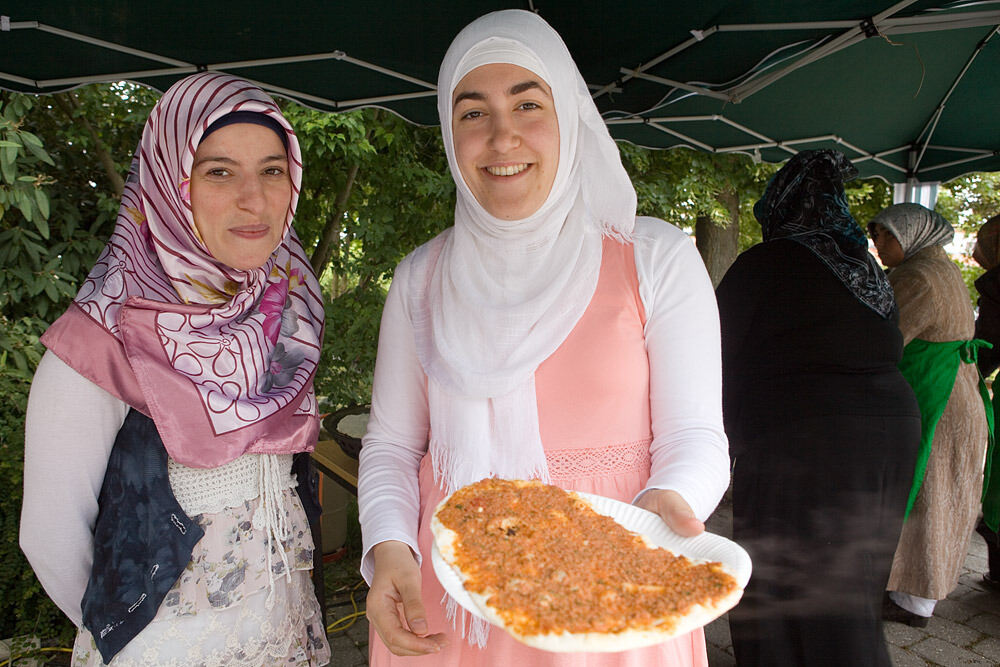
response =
{"points": [[478, 629]]}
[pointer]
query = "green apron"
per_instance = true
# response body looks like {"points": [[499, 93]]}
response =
{"points": [[991, 482], [931, 369]]}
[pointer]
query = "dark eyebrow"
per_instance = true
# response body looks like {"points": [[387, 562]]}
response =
{"points": [[519, 88], [226, 160], [213, 158], [468, 95], [516, 89]]}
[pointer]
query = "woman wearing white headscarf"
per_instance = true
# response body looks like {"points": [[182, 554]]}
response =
{"points": [[939, 361], [549, 334]]}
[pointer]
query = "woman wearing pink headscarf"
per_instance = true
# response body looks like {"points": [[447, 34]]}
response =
{"points": [[160, 509], [549, 334]]}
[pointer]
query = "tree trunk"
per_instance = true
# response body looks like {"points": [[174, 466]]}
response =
{"points": [[331, 233], [329, 241], [68, 104], [719, 244]]}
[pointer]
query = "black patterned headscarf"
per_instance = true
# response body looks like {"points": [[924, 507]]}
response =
{"points": [[805, 202]]}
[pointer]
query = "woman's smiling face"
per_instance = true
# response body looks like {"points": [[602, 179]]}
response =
{"points": [[240, 193], [506, 138]]}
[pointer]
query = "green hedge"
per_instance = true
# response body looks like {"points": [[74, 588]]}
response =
{"points": [[25, 609]]}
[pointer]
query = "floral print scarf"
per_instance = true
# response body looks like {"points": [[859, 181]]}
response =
{"points": [[805, 202], [223, 360]]}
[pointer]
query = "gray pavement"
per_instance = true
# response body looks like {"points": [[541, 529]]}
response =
{"points": [[965, 629]]}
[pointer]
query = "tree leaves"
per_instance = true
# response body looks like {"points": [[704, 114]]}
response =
{"points": [[44, 196]]}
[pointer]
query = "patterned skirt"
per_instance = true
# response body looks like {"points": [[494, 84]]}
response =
{"points": [[236, 604]]}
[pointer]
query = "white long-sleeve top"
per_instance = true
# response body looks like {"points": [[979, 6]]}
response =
{"points": [[689, 451], [70, 429]]}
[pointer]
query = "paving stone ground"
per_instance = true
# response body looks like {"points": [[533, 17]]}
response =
{"points": [[965, 629]]}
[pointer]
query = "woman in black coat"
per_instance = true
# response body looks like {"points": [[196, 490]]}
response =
{"points": [[823, 427], [987, 254]]}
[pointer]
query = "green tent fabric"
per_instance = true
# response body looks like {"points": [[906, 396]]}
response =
{"points": [[931, 369], [906, 88]]}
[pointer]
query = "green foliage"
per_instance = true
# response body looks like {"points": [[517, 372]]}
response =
{"points": [[47, 248], [24, 207], [680, 185], [21, 153], [24, 607], [969, 201], [344, 376], [402, 195], [20, 350], [970, 273], [56, 210], [866, 198]]}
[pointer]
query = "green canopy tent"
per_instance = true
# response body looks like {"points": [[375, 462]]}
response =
{"points": [[906, 89]]}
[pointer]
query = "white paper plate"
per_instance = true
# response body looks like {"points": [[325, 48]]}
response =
{"points": [[704, 547]]}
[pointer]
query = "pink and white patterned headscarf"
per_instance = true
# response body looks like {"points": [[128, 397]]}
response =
{"points": [[223, 360]]}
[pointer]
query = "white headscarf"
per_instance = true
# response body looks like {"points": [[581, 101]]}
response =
{"points": [[915, 227], [491, 299]]}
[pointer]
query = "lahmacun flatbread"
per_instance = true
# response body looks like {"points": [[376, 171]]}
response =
{"points": [[539, 562]]}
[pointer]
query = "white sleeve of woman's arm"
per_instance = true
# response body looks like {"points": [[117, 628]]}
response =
{"points": [[690, 451], [70, 428], [396, 440]]}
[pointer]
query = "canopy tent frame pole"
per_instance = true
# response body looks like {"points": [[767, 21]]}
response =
{"points": [[765, 141], [698, 37], [340, 105], [683, 137], [676, 84], [891, 151], [889, 26], [886, 26], [911, 24], [121, 48], [863, 155], [181, 67], [701, 35], [838, 43], [944, 165], [931, 125], [117, 76], [331, 55], [285, 92], [387, 98], [884, 22], [963, 149], [24, 81]]}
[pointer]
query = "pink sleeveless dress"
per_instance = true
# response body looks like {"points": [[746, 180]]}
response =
{"points": [[594, 418]]}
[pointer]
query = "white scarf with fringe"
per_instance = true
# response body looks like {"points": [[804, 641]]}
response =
{"points": [[491, 299]]}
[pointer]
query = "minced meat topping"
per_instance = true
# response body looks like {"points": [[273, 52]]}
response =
{"points": [[548, 563]]}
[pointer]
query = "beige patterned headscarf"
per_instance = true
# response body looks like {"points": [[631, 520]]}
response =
{"points": [[915, 227]]}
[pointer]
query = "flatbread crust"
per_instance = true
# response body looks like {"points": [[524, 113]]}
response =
{"points": [[464, 511]]}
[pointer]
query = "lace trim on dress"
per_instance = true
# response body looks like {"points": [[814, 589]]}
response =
{"points": [[209, 490], [628, 457]]}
